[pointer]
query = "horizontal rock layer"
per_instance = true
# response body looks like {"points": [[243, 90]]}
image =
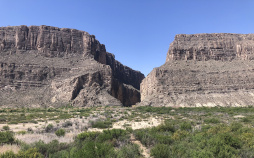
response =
{"points": [[203, 70], [203, 47], [44, 65]]}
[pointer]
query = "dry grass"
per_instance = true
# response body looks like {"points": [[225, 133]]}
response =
{"points": [[8, 147]]}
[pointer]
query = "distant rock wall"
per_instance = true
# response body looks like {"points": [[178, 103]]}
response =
{"points": [[217, 46], [203, 70], [41, 56]]}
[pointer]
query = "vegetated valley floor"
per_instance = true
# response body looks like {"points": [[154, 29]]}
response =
{"points": [[127, 132]]}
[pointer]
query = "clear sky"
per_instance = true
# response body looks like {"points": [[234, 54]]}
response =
{"points": [[138, 32]]}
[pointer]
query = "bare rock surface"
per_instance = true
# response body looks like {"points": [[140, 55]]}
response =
{"points": [[203, 70], [50, 66]]}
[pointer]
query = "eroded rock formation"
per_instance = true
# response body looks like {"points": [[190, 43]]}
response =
{"points": [[204, 70], [50, 66]]}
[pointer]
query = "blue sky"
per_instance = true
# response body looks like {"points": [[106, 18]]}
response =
{"points": [[138, 32]]}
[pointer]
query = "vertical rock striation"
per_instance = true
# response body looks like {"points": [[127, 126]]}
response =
{"points": [[45, 65], [204, 70]]}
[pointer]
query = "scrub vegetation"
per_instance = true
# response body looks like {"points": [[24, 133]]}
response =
{"points": [[223, 132]]}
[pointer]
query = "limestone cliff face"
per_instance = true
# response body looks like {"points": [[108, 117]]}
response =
{"points": [[204, 70], [44, 65], [217, 46]]}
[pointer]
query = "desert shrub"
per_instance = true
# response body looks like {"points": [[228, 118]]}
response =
{"points": [[67, 124], [101, 124], [60, 132], [161, 151], [185, 126], [179, 135], [30, 153], [161, 138], [50, 148], [115, 136], [6, 128], [60, 154], [167, 126], [87, 136], [235, 126], [145, 137], [29, 129], [6, 137], [158, 110], [93, 149], [49, 128], [129, 150], [34, 121], [212, 120], [8, 154], [246, 119]]}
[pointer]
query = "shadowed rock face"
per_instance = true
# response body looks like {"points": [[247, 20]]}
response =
{"points": [[204, 70], [44, 66]]}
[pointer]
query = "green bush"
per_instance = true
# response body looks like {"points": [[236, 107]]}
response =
{"points": [[8, 154], [50, 148], [49, 128], [60, 132], [246, 119], [87, 136], [161, 151], [30, 153], [6, 128], [129, 150], [212, 120], [6, 137], [145, 137], [101, 124], [94, 150], [112, 134], [67, 124], [185, 126]]}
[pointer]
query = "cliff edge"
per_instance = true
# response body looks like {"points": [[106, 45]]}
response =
{"points": [[50, 66], [203, 70]]}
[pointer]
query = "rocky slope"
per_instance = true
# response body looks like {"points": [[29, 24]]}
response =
{"points": [[50, 66], [204, 70]]}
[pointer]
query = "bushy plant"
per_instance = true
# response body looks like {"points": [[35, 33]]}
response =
{"points": [[212, 120], [87, 136], [161, 151], [6, 128], [49, 128], [6, 137], [60, 132], [8, 154], [101, 124], [129, 150], [186, 126], [67, 124]]}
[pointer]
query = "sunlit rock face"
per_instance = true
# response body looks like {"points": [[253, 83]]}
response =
{"points": [[203, 70], [50, 66]]}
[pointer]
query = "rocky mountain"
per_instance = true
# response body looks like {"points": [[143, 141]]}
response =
{"points": [[203, 70], [50, 66]]}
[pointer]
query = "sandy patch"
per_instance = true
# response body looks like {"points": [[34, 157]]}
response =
{"points": [[239, 116], [7, 147], [46, 137]]}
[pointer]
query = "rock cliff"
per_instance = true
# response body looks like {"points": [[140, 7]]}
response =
{"points": [[45, 65], [203, 70]]}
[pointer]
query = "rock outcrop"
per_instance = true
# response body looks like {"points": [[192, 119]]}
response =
{"points": [[203, 70], [50, 66]]}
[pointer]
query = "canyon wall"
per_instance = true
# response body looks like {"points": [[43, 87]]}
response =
{"points": [[203, 70], [50, 66]]}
